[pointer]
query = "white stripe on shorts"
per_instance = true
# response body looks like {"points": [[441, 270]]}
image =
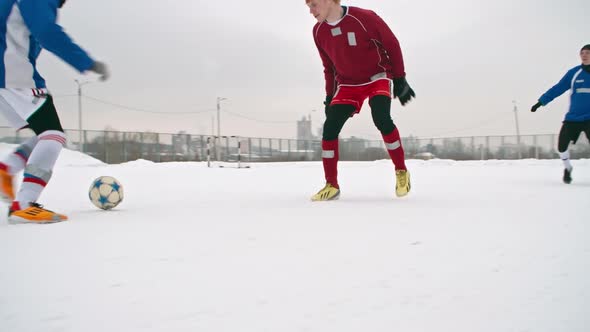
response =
{"points": [[17, 105]]}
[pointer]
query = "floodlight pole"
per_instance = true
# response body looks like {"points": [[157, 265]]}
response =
{"points": [[517, 129], [80, 83]]}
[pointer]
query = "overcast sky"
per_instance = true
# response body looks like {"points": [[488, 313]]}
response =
{"points": [[467, 60]]}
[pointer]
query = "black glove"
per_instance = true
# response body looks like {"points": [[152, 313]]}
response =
{"points": [[327, 104], [402, 90], [537, 105], [101, 69]]}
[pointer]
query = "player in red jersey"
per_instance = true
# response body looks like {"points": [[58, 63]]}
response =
{"points": [[361, 58]]}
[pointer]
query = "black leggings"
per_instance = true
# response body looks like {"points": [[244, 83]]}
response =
{"points": [[570, 132], [338, 114]]}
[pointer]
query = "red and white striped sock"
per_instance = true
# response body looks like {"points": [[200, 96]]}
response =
{"points": [[39, 167], [330, 161], [393, 143]]}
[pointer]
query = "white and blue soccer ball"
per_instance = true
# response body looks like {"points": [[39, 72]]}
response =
{"points": [[106, 192]]}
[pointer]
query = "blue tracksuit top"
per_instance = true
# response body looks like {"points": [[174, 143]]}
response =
{"points": [[578, 81], [26, 27]]}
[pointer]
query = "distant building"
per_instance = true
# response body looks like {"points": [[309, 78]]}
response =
{"points": [[181, 142], [305, 136], [304, 131]]}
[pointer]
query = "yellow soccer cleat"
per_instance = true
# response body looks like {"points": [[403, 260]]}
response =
{"points": [[402, 183], [327, 193], [35, 214], [6, 189]]}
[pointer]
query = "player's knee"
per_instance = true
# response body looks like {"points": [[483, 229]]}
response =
{"points": [[336, 118], [562, 144], [385, 126], [380, 110], [331, 131]]}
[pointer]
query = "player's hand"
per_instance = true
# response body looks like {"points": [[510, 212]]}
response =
{"points": [[327, 104], [101, 69], [537, 105], [402, 90]]}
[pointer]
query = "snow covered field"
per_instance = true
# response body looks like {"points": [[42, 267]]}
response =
{"points": [[476, 246]]}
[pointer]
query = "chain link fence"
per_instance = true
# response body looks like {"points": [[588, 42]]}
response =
{"points": [[116, 147]]}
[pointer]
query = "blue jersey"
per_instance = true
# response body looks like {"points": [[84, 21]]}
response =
{"points": [[26, 27], [578, 81]]}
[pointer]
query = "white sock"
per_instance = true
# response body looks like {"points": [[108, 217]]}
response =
{"points": [[17, 160], [39, 168], [565, 157]]}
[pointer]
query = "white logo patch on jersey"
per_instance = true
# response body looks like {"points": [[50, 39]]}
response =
{"points": [[580, 81], [336, 32], [583, 90], [351, 39]]}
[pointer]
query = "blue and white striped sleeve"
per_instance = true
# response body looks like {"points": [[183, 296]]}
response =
{"points": [[40, 16], [558, 89]]}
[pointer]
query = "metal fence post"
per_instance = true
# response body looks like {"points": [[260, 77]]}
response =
{"points": [[141, 145], [82, 148], [125, 147], [249, 149], [481, 152], [158, 151], [270, 147], [188, 144], [208, 151], [536, 147], [104, 145], [226, 149], [201, 147]]}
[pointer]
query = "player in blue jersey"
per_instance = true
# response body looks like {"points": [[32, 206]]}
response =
{"points": [[27, 27], [577, 119]]}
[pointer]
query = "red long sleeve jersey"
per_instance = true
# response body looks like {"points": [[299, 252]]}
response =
{"points": [[358, 49]]}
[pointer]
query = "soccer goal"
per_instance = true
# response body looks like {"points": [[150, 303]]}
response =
{"points": [[226, 151]]}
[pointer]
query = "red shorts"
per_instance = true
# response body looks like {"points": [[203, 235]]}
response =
{"points": [[355, 95]]}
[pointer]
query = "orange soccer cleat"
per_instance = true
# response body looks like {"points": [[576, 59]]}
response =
{"points": [[35, 214]]}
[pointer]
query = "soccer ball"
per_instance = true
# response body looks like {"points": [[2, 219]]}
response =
{"points": [[106, 192]]}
